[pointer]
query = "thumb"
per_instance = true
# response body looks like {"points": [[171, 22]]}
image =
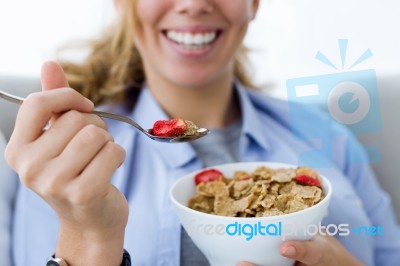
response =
{"points": [[243, 263], [53, 76]]}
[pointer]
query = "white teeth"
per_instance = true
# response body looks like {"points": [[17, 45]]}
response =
{"points": [[192, 40], [188, 39]]}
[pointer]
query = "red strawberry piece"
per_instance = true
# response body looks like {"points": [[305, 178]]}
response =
{"points": [[169, 128], [207, 176], [245, 178], [308, 180]]}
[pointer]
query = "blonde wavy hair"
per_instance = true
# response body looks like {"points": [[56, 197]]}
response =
{"points": [[113, 71]]}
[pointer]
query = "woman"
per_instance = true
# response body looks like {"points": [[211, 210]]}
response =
{"points": [[170, 58]]}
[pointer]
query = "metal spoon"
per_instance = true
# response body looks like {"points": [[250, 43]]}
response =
{"points": [[201, 132]]}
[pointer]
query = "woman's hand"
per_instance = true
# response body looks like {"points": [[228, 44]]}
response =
{"points": [[319, 251], [70, 165]]}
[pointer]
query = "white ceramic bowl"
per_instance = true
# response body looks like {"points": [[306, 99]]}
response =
{"points": [[227, 240]]}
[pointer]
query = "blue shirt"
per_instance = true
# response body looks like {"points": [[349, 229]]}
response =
{"points": [[8, 185], [153, 230]]}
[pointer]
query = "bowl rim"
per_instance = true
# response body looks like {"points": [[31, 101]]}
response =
{"points": [[326, 199]]}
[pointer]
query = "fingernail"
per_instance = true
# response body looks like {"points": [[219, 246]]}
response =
{"points": [[289, 251], [243, 264]]}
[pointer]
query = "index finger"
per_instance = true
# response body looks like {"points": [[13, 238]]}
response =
{"points": [[39, 107]]}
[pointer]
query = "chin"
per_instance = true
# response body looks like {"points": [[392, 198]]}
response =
{"points": [[194, 79], [194, 83]]}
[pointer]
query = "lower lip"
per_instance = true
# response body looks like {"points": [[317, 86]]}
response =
{"points": [[198, 53]]}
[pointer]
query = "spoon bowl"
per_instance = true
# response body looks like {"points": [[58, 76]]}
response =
{"points": [[201, 132]]}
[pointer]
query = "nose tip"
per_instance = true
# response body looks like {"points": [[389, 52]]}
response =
{"points": [[194, 7]]}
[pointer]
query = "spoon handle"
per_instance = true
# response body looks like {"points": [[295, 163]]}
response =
{"points": [[11, 98], [20, 100]]}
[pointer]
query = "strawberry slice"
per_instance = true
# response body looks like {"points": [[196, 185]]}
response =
{"points": [[169, 128], [207, 176], [244, 178], [308, 180]]}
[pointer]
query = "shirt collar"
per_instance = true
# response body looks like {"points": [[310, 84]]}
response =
{"points": [[147, 111], [253, 126]]}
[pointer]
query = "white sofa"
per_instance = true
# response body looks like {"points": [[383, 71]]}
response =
{"points": [[20, 86]]}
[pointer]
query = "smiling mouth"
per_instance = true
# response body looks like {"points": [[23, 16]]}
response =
{"points": [[192, 41]]}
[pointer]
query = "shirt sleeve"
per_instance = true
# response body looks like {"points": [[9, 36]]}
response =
{"points": [[8, 187], [376, 203]]}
